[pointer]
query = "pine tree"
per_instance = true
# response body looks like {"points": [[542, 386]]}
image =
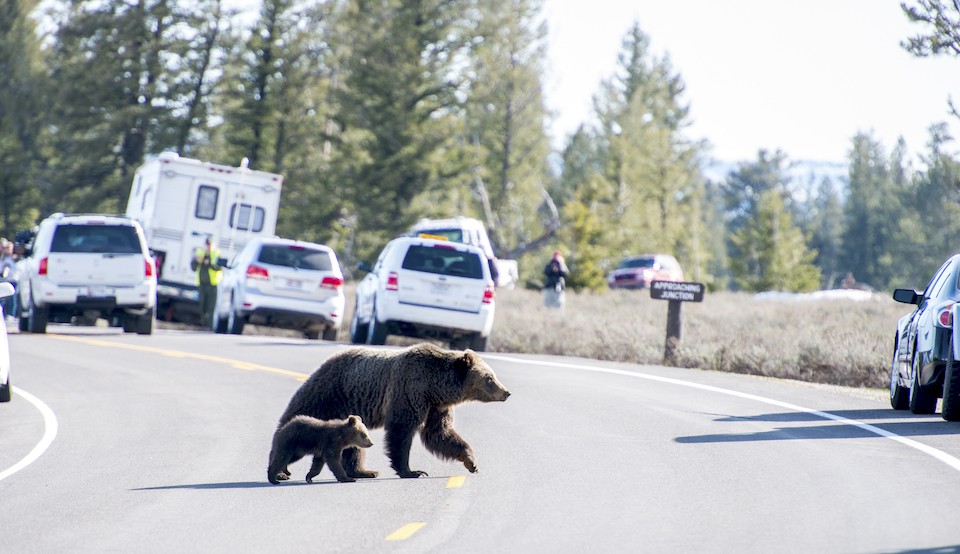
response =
{"points": [[774, 253], [506, 117], [23, 137], [872, 214]]}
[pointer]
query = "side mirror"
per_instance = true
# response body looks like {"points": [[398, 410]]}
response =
{"points": [[222, 262], [364, 266], [907, 296]]}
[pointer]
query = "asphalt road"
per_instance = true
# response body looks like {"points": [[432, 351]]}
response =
{"points": [[161, 445]]}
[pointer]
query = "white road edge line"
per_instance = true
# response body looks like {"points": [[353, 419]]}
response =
{"points": [[50, 433], [929, 450]]}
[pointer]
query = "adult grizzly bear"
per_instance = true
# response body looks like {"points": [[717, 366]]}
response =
{"points": [[326, 440], [404, 391]]}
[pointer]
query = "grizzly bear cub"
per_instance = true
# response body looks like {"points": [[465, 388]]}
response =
{"points": [[326, 440]]}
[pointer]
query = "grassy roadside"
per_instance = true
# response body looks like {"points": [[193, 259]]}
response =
{"points": [[835, 342]]}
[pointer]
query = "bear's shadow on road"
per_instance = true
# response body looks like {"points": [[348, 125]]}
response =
{"points": [[901, 423], [267, 484]]}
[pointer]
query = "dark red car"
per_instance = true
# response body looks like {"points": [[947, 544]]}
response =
{"points": [[637, 272]]}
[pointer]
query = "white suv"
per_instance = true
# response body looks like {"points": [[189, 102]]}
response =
{"points": [[282, 283], [88, 266], [425, 288]]}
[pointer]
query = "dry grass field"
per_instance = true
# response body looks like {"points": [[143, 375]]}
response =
{"points": [[837, 342]]}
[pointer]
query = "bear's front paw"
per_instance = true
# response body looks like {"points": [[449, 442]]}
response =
{"points": [[347, 480], [470, 465], [364, 474], [283, 476], [412, 474]]}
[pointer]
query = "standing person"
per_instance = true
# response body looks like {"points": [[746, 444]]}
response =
{"points": [[8, 273], [208, 276], [554, 283]]}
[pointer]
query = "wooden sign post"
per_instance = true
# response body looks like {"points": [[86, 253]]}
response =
{"points": [[676, 293]]}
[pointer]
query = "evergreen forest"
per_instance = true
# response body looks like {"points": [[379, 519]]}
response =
{"points": [[381, 112]]}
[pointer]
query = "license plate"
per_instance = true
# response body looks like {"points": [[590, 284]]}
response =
{"points": [[439, 288], [97, 292], [294, 284]]}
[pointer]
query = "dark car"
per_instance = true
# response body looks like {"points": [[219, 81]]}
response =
{"points": [[924, 366]]}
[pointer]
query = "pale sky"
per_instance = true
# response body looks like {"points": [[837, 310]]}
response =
{"points": [[804, 77]]}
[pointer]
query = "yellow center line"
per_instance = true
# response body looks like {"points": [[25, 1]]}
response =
{"points": [[238, 364], [404, 532], [456, 481]]}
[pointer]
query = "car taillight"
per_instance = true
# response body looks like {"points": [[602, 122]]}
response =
{"points": [[488, 294], [393, 282], [43, 267], [945, 317], [258, 273], [332, 283], [148, 267]]}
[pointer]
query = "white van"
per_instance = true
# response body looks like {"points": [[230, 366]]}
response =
{"points": [[469, 231], [180, 202]]}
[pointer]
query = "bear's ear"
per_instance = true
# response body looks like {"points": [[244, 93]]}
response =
{"points": [[354, 420], [464, 362]]}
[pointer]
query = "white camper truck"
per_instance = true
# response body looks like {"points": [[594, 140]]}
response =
{"points": [[179, 202]]}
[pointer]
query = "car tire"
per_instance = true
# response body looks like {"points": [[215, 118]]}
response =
{"points": [[5, 391], [330, 334], [220, 324], [235, 322], [358, 331], [951, 388], [922, 400], [128, 323], [144, 323], [38, 319], [899, 395], [478, 343], [312, 335], [377, 332], [24, 323]]}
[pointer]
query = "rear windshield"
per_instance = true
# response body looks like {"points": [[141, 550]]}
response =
{"points": [[639, 262], [456, 235], [443, 261], [115, 239], [295, 256]]}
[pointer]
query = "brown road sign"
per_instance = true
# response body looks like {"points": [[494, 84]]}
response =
{"points": [[683, 292]]}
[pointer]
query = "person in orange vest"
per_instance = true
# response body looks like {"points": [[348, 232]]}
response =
{"points": [[205, 263]]}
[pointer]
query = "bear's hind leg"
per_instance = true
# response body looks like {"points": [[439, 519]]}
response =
{"points": [[353, 463]]}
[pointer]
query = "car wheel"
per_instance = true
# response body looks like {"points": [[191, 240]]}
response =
{"points": [[128, 323], [922, 401], [899, 395], [478, 343], [358, 331], [219, 322], [235, 322], [330, 334], [144, 323], [24, 322], [312, 335], [38, 319], [377, 332], [5, 392], [951, 388]]}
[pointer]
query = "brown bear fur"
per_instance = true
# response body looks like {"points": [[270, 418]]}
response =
{"points": [[403, 391], [326, 440]]}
